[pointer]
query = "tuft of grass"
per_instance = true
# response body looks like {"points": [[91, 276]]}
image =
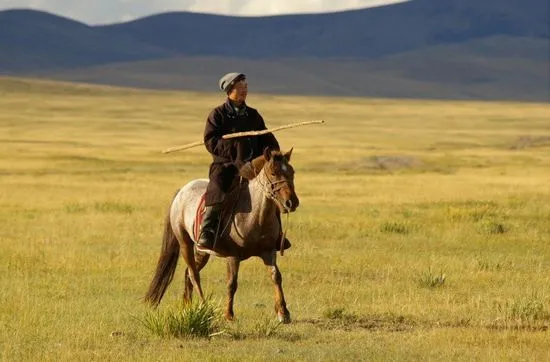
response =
{"points": [[266, 327], [75, 208], [484, 264], [115, 207], [472, 211], [396, 227], [492, 227], [523, 311], [430, 279], [338, 314], [195, 319]]}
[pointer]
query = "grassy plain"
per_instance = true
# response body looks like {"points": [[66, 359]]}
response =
{"points": [[423, 231]]}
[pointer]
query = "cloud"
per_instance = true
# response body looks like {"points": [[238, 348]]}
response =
{"points": [[109, 11], [254, 8]]}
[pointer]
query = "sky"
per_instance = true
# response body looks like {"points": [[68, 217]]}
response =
{"points": [[111, 11]]}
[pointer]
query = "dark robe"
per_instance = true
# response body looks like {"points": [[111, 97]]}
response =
{"points": [[230, 155]]}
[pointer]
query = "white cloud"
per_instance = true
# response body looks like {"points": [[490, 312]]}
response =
{"points": [[109, 11], [254, 8]]}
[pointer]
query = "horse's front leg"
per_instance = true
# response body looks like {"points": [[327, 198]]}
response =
{"points": [[200, 261], [270, 260], [232, 275]]}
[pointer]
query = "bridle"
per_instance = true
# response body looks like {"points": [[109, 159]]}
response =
{"points": [[270, 190]]}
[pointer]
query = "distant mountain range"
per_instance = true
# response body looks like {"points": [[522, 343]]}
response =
{"points": [[490, 49]]}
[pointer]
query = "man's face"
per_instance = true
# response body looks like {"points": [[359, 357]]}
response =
{"points": [[239, 91]]}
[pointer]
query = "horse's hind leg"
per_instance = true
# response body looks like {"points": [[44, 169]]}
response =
{"points": [[232, 275], [200, 261], [192, 267], [270, 260]]}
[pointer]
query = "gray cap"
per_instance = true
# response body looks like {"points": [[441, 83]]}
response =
{"points": [[227, 81]]}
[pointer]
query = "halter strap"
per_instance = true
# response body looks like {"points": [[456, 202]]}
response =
{"points": [[270, 191]]}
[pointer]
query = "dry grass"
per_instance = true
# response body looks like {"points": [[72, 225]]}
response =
{"points": [[84, 189]]}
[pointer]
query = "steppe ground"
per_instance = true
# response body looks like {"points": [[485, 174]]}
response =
{"points": [[423, 231]]}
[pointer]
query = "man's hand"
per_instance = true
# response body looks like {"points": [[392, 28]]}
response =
{"points": [[242, 150], [247, 170]]}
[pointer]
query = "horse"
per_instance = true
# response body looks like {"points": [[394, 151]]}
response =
{"points": [[249, 226]]}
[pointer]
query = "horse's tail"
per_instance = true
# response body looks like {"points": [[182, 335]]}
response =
{"points": [[166, 266]]}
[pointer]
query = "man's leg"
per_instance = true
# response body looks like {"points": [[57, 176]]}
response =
{"points": [[220, 181], [209, 227]]}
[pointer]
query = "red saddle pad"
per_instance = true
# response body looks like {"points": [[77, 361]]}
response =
{"points": [[198, 218]]}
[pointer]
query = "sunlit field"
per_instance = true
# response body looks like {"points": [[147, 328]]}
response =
{"points": [[423, 230]]}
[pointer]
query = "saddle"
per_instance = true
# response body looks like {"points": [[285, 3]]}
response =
{"points": [[200, 215], [227, 204]]}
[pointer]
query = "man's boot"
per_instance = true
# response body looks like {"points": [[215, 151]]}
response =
{"points": [[209, 227]]}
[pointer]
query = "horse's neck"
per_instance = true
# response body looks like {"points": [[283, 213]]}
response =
{"points": [[263, 208], [258, 222]]}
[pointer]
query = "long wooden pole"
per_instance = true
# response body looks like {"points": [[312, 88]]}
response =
{"points": [[264, 131], [242, 134], [184, 147]]}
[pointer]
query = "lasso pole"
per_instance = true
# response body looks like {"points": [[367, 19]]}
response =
{"points": [[242, 134]]}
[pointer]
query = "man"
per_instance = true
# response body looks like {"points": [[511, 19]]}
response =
{"points": [[230, 155]]}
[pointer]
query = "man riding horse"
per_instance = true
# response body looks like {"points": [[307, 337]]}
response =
{"points": [[229, 155]]}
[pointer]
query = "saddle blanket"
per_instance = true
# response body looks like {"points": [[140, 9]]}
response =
{"points": [[198, 218]]}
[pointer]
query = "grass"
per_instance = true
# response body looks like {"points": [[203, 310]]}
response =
{"points": [[196, 319], [84, 190], [430, 279], [527, 312]]}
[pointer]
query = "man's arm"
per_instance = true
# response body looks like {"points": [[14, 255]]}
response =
{"points": [[213, 133]]}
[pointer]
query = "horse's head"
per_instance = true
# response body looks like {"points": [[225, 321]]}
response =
{"points": [[280, 176]]}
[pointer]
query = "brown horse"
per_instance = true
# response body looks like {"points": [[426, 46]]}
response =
{"points": [[250, 226]]}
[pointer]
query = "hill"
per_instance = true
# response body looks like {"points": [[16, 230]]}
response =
{"points": [[31, 40], [496, 49], [485, 69], [370, 33]]}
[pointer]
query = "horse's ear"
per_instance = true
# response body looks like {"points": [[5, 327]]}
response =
{"points": [[267, 154], [287, 155]]}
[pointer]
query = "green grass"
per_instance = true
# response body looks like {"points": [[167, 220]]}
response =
{"points": [[84, 190], [430, 279], [196, 319]]}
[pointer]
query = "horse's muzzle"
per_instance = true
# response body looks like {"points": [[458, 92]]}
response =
{"points": [[290, 205]]}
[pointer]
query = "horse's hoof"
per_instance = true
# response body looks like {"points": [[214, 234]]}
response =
{"points": [[284, 318], [229, 317]]}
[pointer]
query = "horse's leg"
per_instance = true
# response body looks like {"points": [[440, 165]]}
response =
{"points": [[200, 261], [192, 268], [270, 260], [232, 275]]}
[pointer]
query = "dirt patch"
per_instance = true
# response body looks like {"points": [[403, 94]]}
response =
{"points": [[383, 322], [524, 142], [390, 162], [399, 323], [518, 327], [375, 164]]}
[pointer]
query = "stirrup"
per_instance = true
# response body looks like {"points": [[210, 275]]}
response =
{"points": [[206, 244]]}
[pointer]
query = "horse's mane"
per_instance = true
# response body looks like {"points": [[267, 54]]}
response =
{"points": [[250, 170]]}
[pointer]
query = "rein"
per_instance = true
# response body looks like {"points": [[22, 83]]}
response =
{"points": [[270, 190]]}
